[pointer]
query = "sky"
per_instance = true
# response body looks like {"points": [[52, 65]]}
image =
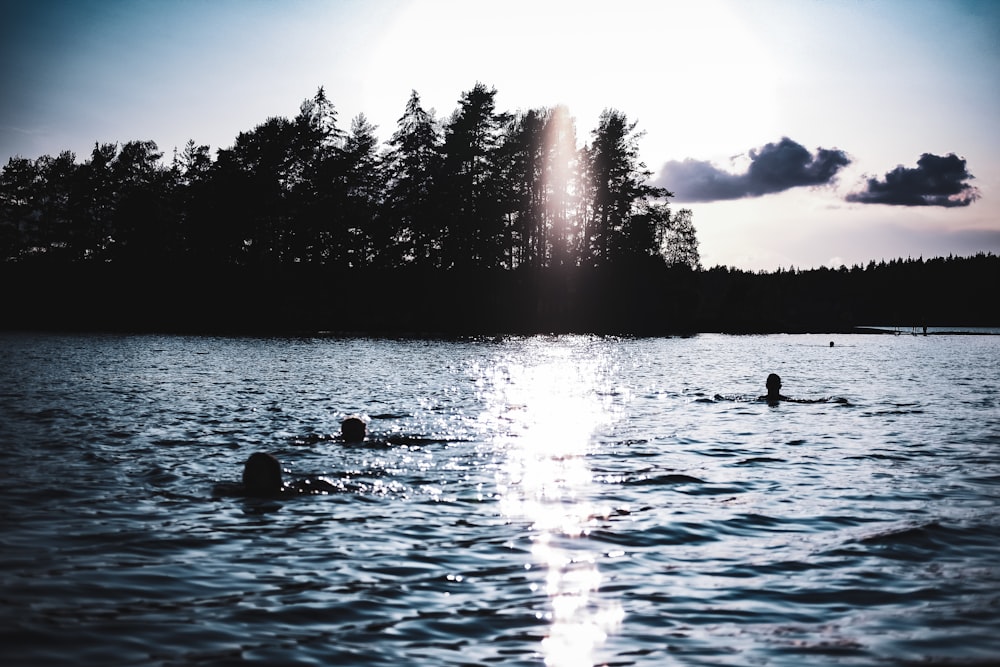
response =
{"points": [[801, 133]]}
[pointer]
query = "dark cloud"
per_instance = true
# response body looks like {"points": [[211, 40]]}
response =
{"points": [[936, 181], [773, 168]]}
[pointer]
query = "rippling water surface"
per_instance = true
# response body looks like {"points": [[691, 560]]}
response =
{"points": [[521, 501]]}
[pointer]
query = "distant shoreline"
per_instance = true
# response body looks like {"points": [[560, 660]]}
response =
{"points": [[638, 299], [931, 331]]}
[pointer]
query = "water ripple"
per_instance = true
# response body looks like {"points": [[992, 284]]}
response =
{"points": [[521, 501]]}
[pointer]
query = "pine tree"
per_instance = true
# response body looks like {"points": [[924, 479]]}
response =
{"points": [[620, 190], [413, 165], [471, 173]]}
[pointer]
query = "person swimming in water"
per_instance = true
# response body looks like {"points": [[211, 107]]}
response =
{"points": [[262, 479], [262, 475], [353, 430], [773, 394]]}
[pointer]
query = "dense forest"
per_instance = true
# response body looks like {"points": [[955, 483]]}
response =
{"points": [[484, 189], [485, 222]]}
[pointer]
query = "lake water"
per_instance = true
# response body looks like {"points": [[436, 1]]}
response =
{"points": [[522, 501]]}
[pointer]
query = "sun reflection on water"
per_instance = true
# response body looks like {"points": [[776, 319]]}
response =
{"points": [[547, 405]]}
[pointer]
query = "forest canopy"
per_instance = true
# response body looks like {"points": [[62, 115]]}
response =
{"points": [[483, 222], [481, 189]]}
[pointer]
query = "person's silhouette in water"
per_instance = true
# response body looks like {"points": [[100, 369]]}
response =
{"points": [[262, 479], [262, 475], [353, 430], [773, 394]]}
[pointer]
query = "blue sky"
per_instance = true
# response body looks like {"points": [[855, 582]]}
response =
{"points": [[794, 129]]}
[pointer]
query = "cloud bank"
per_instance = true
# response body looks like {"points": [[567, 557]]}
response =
{"points": [[774, 168], [936, 181]]}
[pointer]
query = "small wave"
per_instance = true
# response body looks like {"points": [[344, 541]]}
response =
{"points": [[915, 541], [158, 476], [311, 439], [171, 442], [731, 398], [760, 459], [878, 457], [306, 486], [687, 485], [896, 409], [375, 441], [687, 533], [661, 480], [419, 440], [392, 415], [745, 524]]}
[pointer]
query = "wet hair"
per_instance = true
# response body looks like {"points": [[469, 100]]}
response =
{"points": [[353, 429], [262, 475], [773, 380]]}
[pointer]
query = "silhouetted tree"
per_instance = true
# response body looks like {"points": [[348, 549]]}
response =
{"points": [[413, 165], [521, 159], [498, 192], [140, 182], [538, 160], [19, 189], [677, 239], [60, 203], [620, 190], [364, 184], [96, 207], [193, 164], [586, 209], [562, 226], [317, 183], [192, 172], [471, 196], [255, 178]]}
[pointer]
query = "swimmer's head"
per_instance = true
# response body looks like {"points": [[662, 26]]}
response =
{"points": [[773, 382], [262, 475], [353, 429]]}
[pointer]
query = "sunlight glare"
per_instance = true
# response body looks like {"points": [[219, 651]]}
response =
{"points": [[550, 408], [697, 65], [561, 149]]}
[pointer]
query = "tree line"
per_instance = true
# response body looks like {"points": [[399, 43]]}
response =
{"points": [[486, 222], [642, 299], [912, 292], [482, 189]]}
